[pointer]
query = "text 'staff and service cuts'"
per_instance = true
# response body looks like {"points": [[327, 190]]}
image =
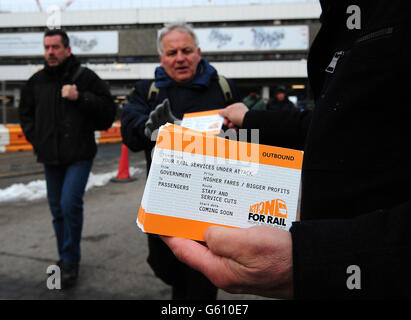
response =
{"points": [[198, 180]]}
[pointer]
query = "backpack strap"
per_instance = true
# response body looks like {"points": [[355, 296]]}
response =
{"points": [[152, 92], [225, 88]]}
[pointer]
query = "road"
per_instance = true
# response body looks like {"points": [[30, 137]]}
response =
{"points": [[114, 250]]}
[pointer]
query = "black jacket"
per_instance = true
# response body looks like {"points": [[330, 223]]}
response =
{"points": [[277, 105], [356, 199], [61, 131]]}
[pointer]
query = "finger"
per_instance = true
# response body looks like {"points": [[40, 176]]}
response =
{"points": [[160, 112], [166, 112], [147, 132], [167, 108], [187, 251], [201, 259], [159, 107], [169, 114], [64, 93], [224, 113], [166, 104], [149, 124], [154, 118]]}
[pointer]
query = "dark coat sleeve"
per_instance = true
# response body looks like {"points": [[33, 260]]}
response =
{"points": [[377, 243], [134, 116], [27, 112], [97, 101], [283, 128]]}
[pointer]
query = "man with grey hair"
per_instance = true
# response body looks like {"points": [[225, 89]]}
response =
{"points": [[183, 27], [185, 82]]}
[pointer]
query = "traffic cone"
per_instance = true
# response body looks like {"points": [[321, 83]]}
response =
{"points": [[123, 174]]}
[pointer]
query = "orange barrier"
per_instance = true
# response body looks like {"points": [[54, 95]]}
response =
{"points": [[112, 135], [25, 147], [16, 135], [12, 138]]}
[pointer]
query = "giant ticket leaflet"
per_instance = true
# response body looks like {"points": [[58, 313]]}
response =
{"points": [[197, 180]]}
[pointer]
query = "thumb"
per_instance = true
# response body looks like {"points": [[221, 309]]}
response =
{"points": [[147, 132], [223, 113], [166, 106], [225, 242], [168, 112]]}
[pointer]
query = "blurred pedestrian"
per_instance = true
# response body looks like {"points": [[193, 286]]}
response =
{"points": [[280, 100], [61, 107], [255, 102], [354, 239], [185, 82]]}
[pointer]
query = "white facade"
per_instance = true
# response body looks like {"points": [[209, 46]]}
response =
{"points": [[236, 70], [259, 69], [258, 12], [134, 71]]}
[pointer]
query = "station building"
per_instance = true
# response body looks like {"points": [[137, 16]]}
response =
{"points": [[259, 46]]}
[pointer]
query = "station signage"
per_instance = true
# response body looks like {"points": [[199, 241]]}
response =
{"points": [[82, 43], [257, 38]]}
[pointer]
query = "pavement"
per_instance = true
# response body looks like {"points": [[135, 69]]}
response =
{"points": [[114, 250]]}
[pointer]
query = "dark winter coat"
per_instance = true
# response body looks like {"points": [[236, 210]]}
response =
{"points": [[62, 131], [356, 200], [277, 105]]}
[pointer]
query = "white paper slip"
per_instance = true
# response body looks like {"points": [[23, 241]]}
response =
{"points": [[204, 121], [197, 180]]}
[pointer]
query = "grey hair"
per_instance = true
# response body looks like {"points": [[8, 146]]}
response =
{"points": [[179, 26]]}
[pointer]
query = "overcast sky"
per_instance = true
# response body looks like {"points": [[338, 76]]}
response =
{"points": [[30, 5]]}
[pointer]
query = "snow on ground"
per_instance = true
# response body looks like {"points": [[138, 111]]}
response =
{"points": [[36, 190]]}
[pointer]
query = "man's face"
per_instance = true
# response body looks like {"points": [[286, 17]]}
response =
{"points": [[54, 50], [280, 96], [180, 57]]}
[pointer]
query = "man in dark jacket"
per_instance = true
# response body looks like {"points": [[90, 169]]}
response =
{"points": [[280, 100], [354, 238], [186, 83], [61, 107]]}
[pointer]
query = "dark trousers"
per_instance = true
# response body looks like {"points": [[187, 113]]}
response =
{"points": [[65, 190], [187, 283]]}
